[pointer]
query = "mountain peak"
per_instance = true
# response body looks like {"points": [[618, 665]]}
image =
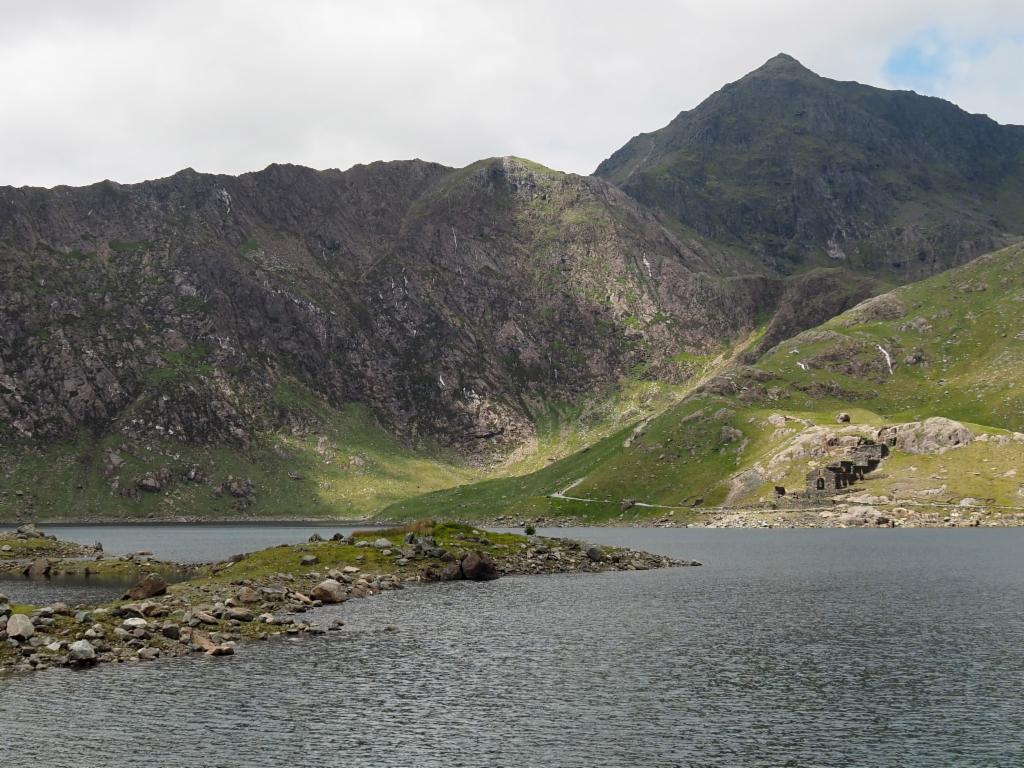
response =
{"points": [[806, 170], [782, 63]]}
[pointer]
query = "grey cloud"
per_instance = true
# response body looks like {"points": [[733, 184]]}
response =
{"points": [[135, 90]]}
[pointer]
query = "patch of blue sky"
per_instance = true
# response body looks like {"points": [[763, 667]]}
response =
{"points": [[926, 60], [920, 63]]}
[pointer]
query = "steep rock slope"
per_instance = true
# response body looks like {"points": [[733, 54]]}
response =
{"points": [[805, 171], [949, 347], [205, 310], [443, 300]]}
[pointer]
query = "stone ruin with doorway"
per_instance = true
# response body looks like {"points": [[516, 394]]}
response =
{"points": [[848, 465]]}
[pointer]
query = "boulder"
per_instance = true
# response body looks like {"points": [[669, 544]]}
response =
{"points": [[842, 418], [134, 623], [248, 595], [30, 531], [309, 560], [205, 643], [239, 614], [38, 568], [595, 554], [152, 585], [452, 572], [382, 544], [477, 566], [329, 591], [19, 627], [82, 652], [149, 483], [149, 653]]}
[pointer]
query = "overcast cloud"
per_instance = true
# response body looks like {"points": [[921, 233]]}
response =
{"points": [[137, 90]]}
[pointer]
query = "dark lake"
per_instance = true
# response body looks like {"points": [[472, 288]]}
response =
{"points": [[840, 648]]}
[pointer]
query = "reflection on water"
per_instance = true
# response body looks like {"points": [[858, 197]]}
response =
{"points": [[76, 588], [72, 589], [788, 648], [205, 543]]}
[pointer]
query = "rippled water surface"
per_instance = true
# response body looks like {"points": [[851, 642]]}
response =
{"points": [[788, 648]]}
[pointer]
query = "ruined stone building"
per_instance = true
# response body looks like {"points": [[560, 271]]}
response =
{"points": [[849, 467]]}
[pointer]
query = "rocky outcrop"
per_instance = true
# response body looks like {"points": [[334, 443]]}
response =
{"points": [[191, 307], [214, 614], [477, 566], [152, 585], [934, 435]]}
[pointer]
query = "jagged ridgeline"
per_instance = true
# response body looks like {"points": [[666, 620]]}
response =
{"points": [[803, 170], [304, 342], [311, 343]]}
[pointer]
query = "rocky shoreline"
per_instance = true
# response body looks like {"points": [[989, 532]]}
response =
{"points": [[274, 591], [867, 512]]}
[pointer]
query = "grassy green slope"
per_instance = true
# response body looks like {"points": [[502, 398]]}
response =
{"points": [[956, 342], [345, 468], [340, 464]]}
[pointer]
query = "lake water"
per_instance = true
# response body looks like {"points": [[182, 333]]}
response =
{"points": [[179, 543], [788, 648], [204, 543]]}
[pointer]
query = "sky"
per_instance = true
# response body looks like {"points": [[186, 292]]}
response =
{"points": [[139, 89]]}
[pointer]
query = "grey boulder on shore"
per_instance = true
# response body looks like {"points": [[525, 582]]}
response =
{"points": [[82, 652], [329, 591], [19, 627]]}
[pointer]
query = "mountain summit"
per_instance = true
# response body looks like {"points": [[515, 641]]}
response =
{"points": [[802, 170], [309, 342]]}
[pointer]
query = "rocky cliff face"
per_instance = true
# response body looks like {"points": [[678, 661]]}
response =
{"points": [[449, 302], [456, 304], [805, 171]]}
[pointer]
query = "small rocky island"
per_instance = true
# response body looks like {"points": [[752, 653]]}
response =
{"points": [[212, 608]]}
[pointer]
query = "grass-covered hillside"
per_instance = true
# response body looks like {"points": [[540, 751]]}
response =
{"points": [[345, 466], [332, 463], [951, 346]]}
